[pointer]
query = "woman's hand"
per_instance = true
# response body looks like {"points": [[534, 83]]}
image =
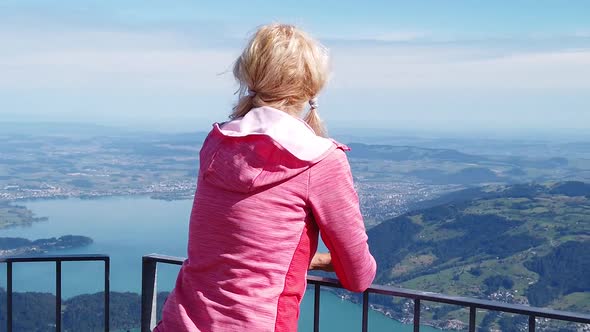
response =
{"points": [[321, 261]]}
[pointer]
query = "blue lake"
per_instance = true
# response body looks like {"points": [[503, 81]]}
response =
{"points": [[126, 228]]}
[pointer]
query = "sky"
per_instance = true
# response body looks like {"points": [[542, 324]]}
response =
{"points": [[450, 66]]}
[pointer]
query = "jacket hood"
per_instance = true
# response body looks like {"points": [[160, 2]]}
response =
{"points": [[264, 147]]}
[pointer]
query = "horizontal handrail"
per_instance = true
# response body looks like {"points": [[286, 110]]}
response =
{"points": [[174, 260], [462, 301], [57, 259], [417, 296]]}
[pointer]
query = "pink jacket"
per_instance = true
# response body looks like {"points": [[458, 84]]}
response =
{"points": [[267, 184]]}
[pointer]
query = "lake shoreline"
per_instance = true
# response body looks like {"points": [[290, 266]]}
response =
{"points": [[164, 196]]}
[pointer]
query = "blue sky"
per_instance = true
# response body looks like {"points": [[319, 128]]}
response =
{"points": [[457, 66]]}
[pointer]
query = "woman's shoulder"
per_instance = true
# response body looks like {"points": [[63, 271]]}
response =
{"points": [[335, 158]]}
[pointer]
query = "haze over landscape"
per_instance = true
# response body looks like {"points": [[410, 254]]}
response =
{"points": [[468, 123]]}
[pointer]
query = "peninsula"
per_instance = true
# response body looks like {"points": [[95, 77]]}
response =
{"points": [[13, 246]]}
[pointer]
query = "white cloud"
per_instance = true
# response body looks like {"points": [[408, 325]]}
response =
{"points": [[167, 61], [389, 36], [582, 34], [416, 68], [28, 41], [96, 60], [106, 70]]}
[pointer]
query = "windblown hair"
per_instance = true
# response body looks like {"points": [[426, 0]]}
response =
{"points": [[284, 68]]}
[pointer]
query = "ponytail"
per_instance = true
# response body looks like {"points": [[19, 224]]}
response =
{"points": [[313, 120], [252, 99], [244, 105]]}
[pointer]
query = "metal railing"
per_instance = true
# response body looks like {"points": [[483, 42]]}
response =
{"points": [[148, 300], [58, 260]]}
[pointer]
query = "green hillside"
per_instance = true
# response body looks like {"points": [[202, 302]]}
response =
{"points": [[34, 311], [520, 244]]}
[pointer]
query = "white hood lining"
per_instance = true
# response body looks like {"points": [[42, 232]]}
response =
{"points": [[291, 133]]}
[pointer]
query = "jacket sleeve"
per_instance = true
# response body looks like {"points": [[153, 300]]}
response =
{"points": [[335, 207]]}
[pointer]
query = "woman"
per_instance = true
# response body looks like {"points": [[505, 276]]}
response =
{"points": [[268, 183]]}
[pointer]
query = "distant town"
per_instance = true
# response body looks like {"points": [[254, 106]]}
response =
{"points": [[390, 179], [177, 190]]}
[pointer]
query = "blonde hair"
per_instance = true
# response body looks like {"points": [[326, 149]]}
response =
{"points": [[284, 68]]}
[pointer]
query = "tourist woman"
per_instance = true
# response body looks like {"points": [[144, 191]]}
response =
{"points": [[269, 182]]}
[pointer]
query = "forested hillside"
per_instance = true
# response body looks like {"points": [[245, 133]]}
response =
{"points": [[520, 244], [35, 312]]}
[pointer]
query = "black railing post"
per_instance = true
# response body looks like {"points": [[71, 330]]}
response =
{"points": [[416, 315], [58, 295], [472, 312], [107, 293], [316, 308], [365, 326], [58, 260], [9, 297], [532, 323], [148, 294]]}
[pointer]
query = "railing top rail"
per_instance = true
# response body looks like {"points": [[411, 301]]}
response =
{"points": [[164, 259], [461, 301], [428, 296], [54, 258]]}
